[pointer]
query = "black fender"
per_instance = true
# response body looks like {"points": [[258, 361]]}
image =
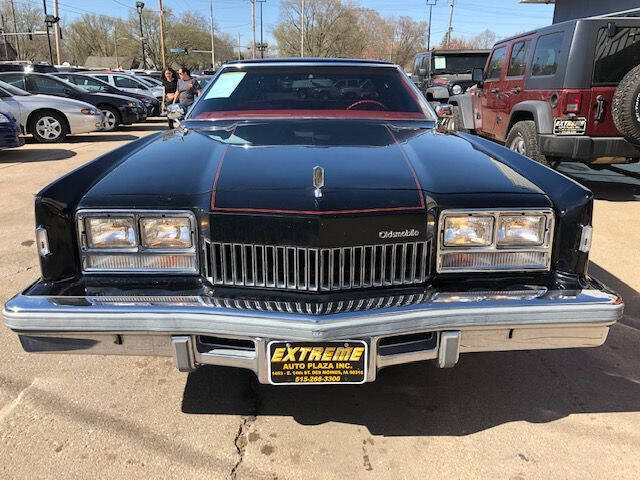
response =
{"points": [[465, 103], [541, 112]]}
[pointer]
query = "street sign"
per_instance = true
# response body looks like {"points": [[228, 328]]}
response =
{"points": [[178, 50]]}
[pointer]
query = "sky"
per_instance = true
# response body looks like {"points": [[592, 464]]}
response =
{"points": [[505, 17]]}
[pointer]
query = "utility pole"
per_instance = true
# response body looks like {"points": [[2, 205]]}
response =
{"points": [[450, 23], [430, 4], [253, 28], [213, 47], [44, 2], [162, 53], [139, 7], [302, 29], [115, 44], [239, 56], [56, 31], [261, 39], [15, 29]]}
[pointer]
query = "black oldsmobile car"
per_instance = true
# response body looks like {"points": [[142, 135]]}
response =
{"points": [[311, 240]]}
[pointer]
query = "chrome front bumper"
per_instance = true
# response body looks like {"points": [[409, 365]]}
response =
{"points": [[176, 326]]}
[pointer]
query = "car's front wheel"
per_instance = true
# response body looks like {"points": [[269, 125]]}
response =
{"points": [[111, 118], [48, 127], [522, 138]]}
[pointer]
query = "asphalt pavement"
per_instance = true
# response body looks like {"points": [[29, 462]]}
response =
{"points": [[570, 414]]}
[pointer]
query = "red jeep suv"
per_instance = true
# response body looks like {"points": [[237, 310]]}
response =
{"points": [[567, 92]]}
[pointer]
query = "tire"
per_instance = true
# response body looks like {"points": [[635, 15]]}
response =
{"points": [[456, 124], [626, 106], [523, 138], [48, 127], [111, 118]]}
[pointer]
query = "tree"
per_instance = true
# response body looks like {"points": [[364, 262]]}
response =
{"points": [[485, 39], [330, 29], [340, 28]]}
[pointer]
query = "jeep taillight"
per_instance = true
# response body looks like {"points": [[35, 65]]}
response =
{"points": [[572, 102]]}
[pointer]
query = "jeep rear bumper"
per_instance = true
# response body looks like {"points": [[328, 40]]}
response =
{"points": [[588, 149]]}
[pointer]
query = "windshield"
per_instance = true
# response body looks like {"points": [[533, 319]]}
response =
{"points": [[147, 82], [458, 63], [309, 91], [13, 90]]}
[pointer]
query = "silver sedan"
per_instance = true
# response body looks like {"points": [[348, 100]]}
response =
{"points": [[49, 119]]}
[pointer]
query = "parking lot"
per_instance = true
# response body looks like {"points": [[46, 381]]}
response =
{"points": [[519, 415]]}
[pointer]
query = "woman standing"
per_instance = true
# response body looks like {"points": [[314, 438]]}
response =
{"points": [[170, 85]]}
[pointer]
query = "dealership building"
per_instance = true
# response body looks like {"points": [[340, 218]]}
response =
{"points": [[572, 9]]}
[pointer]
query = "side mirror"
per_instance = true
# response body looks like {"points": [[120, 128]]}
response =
{"points": [[68, 91], [477, 76], [444, 110]]}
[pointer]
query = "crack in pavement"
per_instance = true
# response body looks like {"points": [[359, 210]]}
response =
{"points": [[10, 407], [241, 439]]}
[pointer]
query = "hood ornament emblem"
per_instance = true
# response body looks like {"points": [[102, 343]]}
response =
{"points": [[318, 181]]}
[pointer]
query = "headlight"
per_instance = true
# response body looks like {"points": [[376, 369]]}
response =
{"points": [[4, 118], [456, 89], [521, 230], [137, 241], [170, 232], [110, 232], [89, 111], [497, 241], [468, 231]]}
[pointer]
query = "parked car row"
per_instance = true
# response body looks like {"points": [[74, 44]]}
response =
{"points": [[51, 106]]}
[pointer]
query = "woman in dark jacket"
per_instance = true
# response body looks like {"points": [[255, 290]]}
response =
{"points": [[170, 84]]}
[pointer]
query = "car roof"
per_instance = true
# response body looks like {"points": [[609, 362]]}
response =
{"points": [[562, 26], [307, 60]]}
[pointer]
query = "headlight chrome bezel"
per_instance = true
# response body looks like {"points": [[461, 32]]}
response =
{"points": [[542, 250], [139, 251]]}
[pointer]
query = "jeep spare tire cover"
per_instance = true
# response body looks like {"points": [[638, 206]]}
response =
{"points": [[626, 106]]}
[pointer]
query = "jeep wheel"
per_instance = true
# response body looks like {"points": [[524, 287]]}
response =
{"points": [[626, 106], [523, 139]]}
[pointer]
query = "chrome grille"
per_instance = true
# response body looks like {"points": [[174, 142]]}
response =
{"points": [[317, 269]]}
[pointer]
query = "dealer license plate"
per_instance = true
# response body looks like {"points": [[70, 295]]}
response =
{"points": [[574, 126], [318, 363]]}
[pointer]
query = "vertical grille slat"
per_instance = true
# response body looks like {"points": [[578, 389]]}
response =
{"points": [[317, 269]]}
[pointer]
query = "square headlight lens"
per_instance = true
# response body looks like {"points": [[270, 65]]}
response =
{"points": [[166, 232], [468, 231], [110, 232], [521, 230]]}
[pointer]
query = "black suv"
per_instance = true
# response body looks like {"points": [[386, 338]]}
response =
{"points": [[95, 85], [566, 92], [441, 73], [117, 109]]}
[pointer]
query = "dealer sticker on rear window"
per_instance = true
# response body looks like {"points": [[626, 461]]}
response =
{"points": [[570, 126]]}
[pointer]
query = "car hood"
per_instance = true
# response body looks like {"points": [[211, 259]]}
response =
{"points": [[116, 96], [64, 104], [268, 167]]}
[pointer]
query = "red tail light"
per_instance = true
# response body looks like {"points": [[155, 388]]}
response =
{"points": [[572, 102]]}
